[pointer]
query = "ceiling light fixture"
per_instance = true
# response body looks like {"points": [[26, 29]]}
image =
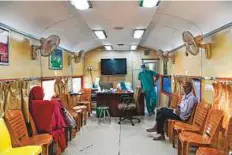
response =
{"points": [[81, 4], [133, 47], [148, 3], [100, 34], [138, 34], [108, 47]]}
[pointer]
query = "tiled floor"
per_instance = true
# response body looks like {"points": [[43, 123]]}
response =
{"points": [[115, 139]]}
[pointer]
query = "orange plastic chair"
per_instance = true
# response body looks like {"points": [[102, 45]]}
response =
{"points": [[197, 126], [209, 136], [19, 134]]}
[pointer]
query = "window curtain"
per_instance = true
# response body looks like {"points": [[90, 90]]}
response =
{"points": [[61, 86], [13, 96], [65, 86], [2, 99], [25, 98], [216, 94], [222, 98]]}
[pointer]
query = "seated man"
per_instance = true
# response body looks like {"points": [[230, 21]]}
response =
{"points": [[182, 112]]}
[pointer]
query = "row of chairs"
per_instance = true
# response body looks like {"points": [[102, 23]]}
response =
{"points": [[201, 132], [16, 140]]}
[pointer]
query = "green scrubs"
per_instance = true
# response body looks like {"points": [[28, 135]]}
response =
{"points": [[146, 78]]}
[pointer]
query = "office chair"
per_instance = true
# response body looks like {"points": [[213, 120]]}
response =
{"points": [[129, 106]]}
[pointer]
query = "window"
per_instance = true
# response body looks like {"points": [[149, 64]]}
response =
{"points": [[197, 88], [166, 84], [76, 84], [48, 87]]}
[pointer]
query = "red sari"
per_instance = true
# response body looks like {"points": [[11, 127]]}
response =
{"points": [[47, 116]]}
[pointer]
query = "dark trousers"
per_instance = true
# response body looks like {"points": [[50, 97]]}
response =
{"points": [[162, 115]]}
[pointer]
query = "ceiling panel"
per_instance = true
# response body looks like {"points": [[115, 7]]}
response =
{"points": [[164, 25]]}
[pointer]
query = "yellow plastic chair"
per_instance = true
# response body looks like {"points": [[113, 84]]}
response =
{"points": [[6, 147]]}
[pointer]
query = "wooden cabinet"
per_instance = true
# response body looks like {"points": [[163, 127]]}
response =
{"points": [[113, 99]]}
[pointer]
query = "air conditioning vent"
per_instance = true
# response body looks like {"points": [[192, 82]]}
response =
{"points": [[146, 52], [118, 28], [120, 44]]}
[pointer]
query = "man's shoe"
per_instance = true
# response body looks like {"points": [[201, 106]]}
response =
{"points": [[151, 130], [162, 137]]}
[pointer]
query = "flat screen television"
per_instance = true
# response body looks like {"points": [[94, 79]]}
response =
{"points": [[113, 66]]}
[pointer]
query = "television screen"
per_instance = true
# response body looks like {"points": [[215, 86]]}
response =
{"points": [[113, 66], [166, 85]]}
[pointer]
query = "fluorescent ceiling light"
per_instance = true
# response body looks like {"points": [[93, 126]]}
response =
{"points": [[133, 47], [81, 4], [100, 34], [148, 3], [108, 47], [138, 34]]}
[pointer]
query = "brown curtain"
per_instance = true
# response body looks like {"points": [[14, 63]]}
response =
{"points": [[2, 99], [13, 96], [226, 106], [59, 86], [216, 94], [177, 85], [65, 86], [25, 99], [222, 99]]}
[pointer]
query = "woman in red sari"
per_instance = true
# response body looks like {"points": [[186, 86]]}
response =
{"points": [[47, 116]]}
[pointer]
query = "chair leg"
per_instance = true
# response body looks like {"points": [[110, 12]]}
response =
{"points": [[173, 138], [132, 123], [137, 119], [122, 120], [185, 148], [89, 109], [179, 150], [107, 112], [100, 115]]}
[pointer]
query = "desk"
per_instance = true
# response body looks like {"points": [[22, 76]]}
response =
{"points": [[113, 99]]}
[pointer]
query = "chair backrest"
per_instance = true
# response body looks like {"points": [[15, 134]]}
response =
{"points": [[64, 100], [33, 126], [213, 124], [200, 115], [17, 127], [175, 100], [228, 137], [5, 141], [190, 119], [87, 94]]}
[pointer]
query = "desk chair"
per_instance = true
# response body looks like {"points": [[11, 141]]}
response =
{"points": [[129, 105]]}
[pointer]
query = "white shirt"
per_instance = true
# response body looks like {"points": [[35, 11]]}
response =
{"points": [[186, 106]]}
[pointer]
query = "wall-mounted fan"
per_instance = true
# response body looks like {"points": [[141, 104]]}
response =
{"points": [[48, 45], [194, 43], [77, 56]]}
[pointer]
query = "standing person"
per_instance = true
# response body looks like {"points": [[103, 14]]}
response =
{"points": [[148, 79]]}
